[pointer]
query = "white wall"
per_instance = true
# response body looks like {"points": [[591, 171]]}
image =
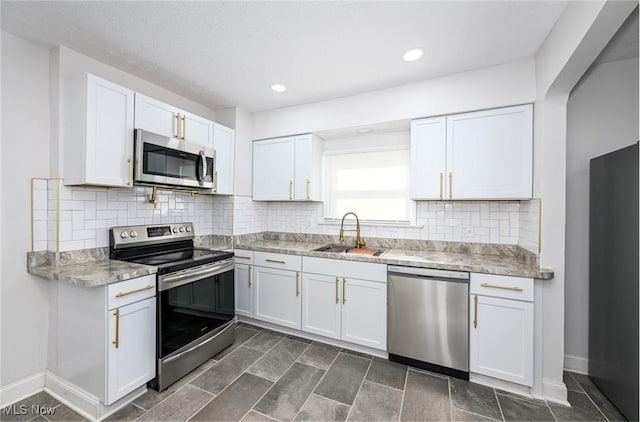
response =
{"points": [[508, 84], [25, 154], [602, 116]]}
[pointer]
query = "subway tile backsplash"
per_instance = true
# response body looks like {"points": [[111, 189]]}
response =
{"points": [[84, 215]]}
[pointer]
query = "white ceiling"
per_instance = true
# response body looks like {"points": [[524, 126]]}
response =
{"points": [[225, 54]]}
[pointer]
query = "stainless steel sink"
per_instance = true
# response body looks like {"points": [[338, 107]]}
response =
{"points": [[339, 249], [334, 248]]}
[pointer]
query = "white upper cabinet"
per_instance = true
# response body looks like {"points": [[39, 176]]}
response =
{"points": [[288, 169], [166, 120], [428, 158], [98, 128], [487, 155], [224, 144]]}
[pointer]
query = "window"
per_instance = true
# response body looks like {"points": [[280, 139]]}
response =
{"points": [[374, 184]]}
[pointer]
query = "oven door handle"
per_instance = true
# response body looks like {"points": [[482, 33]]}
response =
{"points": [[191, 276]]}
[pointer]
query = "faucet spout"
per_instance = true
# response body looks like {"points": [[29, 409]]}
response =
{"points": [[360, 242]]}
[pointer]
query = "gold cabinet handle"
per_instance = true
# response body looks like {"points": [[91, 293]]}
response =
{"points": [[290, 190], [344, 295], [175, 129], [308, 185], [184, 127], [337, 283], [276, 261], [147, 287], [475, 311], [130, 165], [215, 181], [242, 257], [249, 276], [450, 185], [441, 177], [297, 284], [116, 342], [496, 286]]}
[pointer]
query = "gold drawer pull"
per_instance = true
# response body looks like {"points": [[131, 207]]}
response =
{"points": [[337, 283], [147, 287], [290, 190], [276, 261], [308, 184], [450, 185], [496, 286], [344, 294], [116, 342], [175, 132], [249, 276], [441, 198], [184, 127], [243, 257], [130, 165], [297, 284]]}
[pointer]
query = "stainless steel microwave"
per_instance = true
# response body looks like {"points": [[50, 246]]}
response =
{"points": [[169, 161]]}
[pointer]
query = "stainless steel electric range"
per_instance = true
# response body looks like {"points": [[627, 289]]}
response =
{"points": [[195, 294]]}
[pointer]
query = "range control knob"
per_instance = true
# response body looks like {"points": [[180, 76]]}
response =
{"points": [[133, 233], [124, 235], [188, 229], [175, 230], [181, 229]]}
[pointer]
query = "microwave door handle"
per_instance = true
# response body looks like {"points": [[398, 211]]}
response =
{"points": [[203, 168]]}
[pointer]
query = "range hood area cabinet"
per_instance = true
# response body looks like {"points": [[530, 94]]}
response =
{"points": [[172, 122], [98, 132], [288, 169], [479, 155]]}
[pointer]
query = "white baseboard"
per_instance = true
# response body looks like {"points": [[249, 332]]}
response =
{"points": [[554, 391], [576, 364], [22, 388], [82, 402]]}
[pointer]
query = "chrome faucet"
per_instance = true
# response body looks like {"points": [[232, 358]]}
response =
{"points": [[360, 243]]}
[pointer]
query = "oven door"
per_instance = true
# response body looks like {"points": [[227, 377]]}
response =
{"points": [[195, 318], [169, 161]]}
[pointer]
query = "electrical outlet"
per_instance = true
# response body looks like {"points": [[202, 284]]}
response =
{"points": [[467, 230]]}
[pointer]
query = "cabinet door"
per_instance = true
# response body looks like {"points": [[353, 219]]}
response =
{"points": [[364, 313], [321, 306], [224, 144], [277, 296], [131, 362], [428, 158], [501, 338], [490, 154], [196, 130], [157, 117], [273, 169], [307, 182], [244, 290], [109, 133]]}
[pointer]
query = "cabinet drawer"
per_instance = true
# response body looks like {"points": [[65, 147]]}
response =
{"points": [[277, 260], [243, 256], [348, 269], [130, 291], [508, 287]]}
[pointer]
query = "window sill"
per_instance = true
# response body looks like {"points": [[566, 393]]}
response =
{"points": [[365, 223]]}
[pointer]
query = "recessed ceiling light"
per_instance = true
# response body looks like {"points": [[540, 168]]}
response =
{"points": [[365, 130], [278, 87], [412, 55]]}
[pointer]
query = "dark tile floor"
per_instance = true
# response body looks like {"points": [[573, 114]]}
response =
{"points": [[269, 376]]}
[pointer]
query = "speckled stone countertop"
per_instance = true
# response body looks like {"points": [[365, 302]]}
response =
{"points": [[85, 268], [498, 263]]}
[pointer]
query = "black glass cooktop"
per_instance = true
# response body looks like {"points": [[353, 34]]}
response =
{"points": [[181, 259]]}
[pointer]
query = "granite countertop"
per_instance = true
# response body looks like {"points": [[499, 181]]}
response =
{"points": [[85, 271], [477, 263]]}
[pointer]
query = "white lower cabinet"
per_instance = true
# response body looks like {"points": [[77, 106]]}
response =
{"points": [[343, 305], [277, 296], [244, 290], [132, 352], [104, 340], [501, 328]]}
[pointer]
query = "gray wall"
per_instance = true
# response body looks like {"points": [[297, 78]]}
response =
{"points": [[602, 116]]}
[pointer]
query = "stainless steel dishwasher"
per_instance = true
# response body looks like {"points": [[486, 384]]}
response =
{"points": [[428, 319]]}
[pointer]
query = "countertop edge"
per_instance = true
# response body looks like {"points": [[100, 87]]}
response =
{"points": [[103, 272]]}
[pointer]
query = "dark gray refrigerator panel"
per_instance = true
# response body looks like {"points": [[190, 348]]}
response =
{"points": [[613, 278]]}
